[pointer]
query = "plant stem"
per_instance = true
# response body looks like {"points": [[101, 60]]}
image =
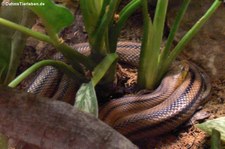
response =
{"points": [[103, 26], [158, 24], [68, 70], [128, 10], [92, 11], [158, 28], [26, 30], [74, 57], [102, 68], [174, 28], [115, 29], [150, 50], [190, 34], [147, 37]]}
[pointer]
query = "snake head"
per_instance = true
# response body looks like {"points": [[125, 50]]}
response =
{"points": [[179, 71]]}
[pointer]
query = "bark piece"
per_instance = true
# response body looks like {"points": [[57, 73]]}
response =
{"points": [[53, 124]]}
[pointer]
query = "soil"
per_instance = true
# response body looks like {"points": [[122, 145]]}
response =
{"points": [[189, 136]]}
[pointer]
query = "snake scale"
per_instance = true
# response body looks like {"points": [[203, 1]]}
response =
{"points": [[142, 115]]}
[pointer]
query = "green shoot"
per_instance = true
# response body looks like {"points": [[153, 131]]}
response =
{"points": [[68, 70], [150, 51]]}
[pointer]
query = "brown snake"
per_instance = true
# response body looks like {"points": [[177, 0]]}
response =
{"points": [[137, 116]]}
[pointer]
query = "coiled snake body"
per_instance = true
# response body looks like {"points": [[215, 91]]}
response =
{"points": [[137, 116]]}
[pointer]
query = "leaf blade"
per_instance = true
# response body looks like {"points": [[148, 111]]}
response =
{"points": [[86, 99], [218, 124], [57, 17]]}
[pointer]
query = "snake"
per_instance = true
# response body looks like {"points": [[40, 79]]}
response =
{"points": [[139, 116]]}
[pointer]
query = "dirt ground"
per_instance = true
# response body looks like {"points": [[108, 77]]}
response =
{"points": [[187, 137]]}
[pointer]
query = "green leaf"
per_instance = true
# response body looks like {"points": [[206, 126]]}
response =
{"points": [[98, 15], [218, 124], [146, 48], [18, 44], [91, 10], [102, 68], [54, 17], [215, 139], [116, 27], [174, 28], [148, 74], [3, 142], [2, 69], [150, 51], [5, 40], [12, 42], [86, 99], [4, 57], [191, 33], [101, 41], [67, 69]]}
